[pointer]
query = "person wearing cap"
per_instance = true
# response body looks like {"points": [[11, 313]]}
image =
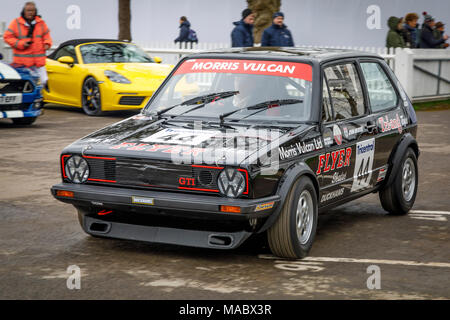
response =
{"points": [[277, 35], [427, 40], [410, 30], [242, 34], [438, 34], [394, 37]]}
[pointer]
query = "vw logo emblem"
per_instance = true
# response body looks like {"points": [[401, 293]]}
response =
{"points": [[77, 169]]}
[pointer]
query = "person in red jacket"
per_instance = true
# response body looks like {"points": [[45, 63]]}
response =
{"points": [[29, 37]]}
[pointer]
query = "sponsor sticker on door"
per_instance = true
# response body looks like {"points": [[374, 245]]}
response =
{"points": [[362, 175]]}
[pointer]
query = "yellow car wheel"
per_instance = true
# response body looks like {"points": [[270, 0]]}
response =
{"points": [[91, 98]]}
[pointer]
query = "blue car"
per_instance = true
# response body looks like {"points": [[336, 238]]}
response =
{"points": [[20, 94]]}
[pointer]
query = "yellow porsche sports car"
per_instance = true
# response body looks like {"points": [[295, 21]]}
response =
{"points": [[102, 75]]}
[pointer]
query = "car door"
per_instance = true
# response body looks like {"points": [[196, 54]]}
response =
{"points": [[64, 82], [387, 112], [345, 168]]}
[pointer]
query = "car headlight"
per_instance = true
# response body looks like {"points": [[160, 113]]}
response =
{"points": [[28, 87], [116, 77], [231, 183], [77, 169]]}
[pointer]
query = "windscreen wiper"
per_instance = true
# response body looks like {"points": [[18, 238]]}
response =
{"points": [[261, 107], [202, 99], [210, 97]]}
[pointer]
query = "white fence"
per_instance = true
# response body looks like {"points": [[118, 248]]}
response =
{"points": [[423, 73]]}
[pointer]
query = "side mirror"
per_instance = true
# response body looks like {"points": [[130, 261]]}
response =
{"points": [[66, 60], [157, 59]]}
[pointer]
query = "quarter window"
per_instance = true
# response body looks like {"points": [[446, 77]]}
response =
{"points": [[327, 113], [345, 89], [68, 50], [382, 95]]}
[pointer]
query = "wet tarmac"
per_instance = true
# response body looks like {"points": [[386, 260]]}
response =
{"points": [[40, 238]]}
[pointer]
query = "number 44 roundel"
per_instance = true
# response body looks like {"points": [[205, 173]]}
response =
{"points": [[363, 164]]}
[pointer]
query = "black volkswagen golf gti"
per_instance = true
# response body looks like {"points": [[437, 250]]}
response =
{"points": [[244, 141]]}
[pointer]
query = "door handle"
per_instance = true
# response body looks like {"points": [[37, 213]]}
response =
{"points": [[371, 126]]}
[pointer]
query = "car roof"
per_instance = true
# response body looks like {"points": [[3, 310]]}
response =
{"points": [[286, 53], [76, 42]]}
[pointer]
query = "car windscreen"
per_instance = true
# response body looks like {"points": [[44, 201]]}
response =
{"points": [[256, 90], [113, 52]]}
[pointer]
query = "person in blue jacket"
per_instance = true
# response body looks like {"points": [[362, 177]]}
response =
{"points": [[277, 35], [427, 39], [242, 34], [185, 25]]}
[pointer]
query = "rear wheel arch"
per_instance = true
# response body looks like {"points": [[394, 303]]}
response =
{"points": [[407, 141]]}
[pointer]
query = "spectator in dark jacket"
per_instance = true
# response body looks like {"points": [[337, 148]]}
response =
{"points": [[427, 40], [394, 37], [438, 33], [277, 35], [410, 30], [185, 25], [242, 34]]}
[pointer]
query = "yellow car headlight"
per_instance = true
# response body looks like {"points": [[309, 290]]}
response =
{"points": [[116, 77]]}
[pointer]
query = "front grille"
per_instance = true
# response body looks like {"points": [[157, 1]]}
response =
{"points": [[15, 86], [101, 169], [145, 173], [151, 173], [12, 107], [131, 100]]}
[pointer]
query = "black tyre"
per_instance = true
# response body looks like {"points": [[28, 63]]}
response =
{"points": [[398, 198], [292, 235], [24, 121], [90, 97]]}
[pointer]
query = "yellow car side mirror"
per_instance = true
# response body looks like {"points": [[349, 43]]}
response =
{"points": [[157, 59], [66, 60]]}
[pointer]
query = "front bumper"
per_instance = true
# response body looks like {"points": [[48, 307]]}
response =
{"points": [[123, 199], [188, 211], [30, 107]]}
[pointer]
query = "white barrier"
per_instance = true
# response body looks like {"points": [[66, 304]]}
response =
{"points": [[423, 73]]}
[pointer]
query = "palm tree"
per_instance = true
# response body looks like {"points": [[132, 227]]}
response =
{"points": [[124, 20]]}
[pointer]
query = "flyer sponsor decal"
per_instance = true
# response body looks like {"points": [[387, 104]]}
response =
{"points": [[334, 160], [260, 67]]}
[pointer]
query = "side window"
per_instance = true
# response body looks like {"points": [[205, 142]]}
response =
{"points": [[68, 50], [382, 95], [345, 89], [327, 113]]}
